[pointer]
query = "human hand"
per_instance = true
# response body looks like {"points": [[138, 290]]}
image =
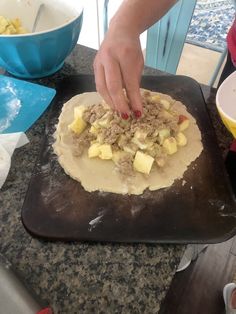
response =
{"points": [[119, 64]]}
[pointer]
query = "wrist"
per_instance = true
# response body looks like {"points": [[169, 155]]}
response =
{"points": [[119, 27]]}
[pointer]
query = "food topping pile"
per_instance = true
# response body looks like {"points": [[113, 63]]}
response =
{"points": [[133, 144], [11, 26]]}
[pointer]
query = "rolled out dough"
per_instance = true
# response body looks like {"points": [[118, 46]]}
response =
{"points": [[96, 174]]}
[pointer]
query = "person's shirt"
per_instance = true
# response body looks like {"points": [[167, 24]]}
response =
{"points": [[231, 39]]}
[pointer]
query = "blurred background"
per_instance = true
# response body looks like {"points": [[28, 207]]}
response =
{"points": [[204, 43]]}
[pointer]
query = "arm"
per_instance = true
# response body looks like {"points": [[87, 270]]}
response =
{"points": [[119, 62]]}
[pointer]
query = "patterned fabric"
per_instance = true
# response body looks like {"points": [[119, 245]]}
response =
{"points": [[210, 23]]}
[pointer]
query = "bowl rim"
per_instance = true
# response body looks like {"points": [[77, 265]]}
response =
{"points": [[220, 109], [78, 15]]}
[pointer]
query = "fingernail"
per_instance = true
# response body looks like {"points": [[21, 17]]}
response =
{"points": [[137, 113], [125, 116]]}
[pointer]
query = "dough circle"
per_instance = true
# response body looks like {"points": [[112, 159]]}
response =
{"points": [[101, 175]]}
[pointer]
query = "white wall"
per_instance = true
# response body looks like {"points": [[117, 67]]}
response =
{"points": [[90, 32]]}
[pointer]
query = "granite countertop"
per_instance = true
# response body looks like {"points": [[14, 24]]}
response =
{"points": [[82, 277]]}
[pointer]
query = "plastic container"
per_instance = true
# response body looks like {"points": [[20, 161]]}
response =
{"points": [[39, 54], [226, 102]]}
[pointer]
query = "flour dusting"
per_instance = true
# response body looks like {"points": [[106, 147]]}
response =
{"points": [[12, 109], [11, 106]]}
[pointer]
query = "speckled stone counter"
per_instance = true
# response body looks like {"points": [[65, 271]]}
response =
{"points": [[82, 277]]}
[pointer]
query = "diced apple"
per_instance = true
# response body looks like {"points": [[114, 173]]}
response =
{"points": [[165, 103], [143, 162], [141, 145], [166, 114], [155, 133], [155, 98], [149, 143], [78, 125], [93, 130], [105, 151], [100, 139], [182, 118], [160, 161], [181, 139], [78, 111], [140, 135], [184, 125], [122, 141], [163, 134], [104, 121], [105, 105], [130, 148], [94, 150], [183, 122], [170, 145], [124, 123]]}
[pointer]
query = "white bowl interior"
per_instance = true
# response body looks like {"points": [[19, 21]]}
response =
{"points": [[226, 96], [54, 14]]}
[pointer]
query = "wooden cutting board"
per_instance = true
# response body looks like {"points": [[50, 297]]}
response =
{"points": [[200, 211]]}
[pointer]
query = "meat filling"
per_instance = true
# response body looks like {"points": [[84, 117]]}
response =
{"points": [[106, 127]]}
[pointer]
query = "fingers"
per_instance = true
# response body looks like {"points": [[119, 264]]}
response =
{"points": [[101, 84], [134, 96], [114, 85], [118, 65], [131, 78]]}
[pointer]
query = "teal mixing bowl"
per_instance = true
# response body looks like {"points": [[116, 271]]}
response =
{"points": [[40, 54]]}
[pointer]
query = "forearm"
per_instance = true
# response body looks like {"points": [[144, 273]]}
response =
{"points": [[135, 16]]}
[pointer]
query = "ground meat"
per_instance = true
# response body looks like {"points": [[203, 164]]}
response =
{"points": [[119, 133], [81, 142], [125, 166], [93, 113], [111, 135]]}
